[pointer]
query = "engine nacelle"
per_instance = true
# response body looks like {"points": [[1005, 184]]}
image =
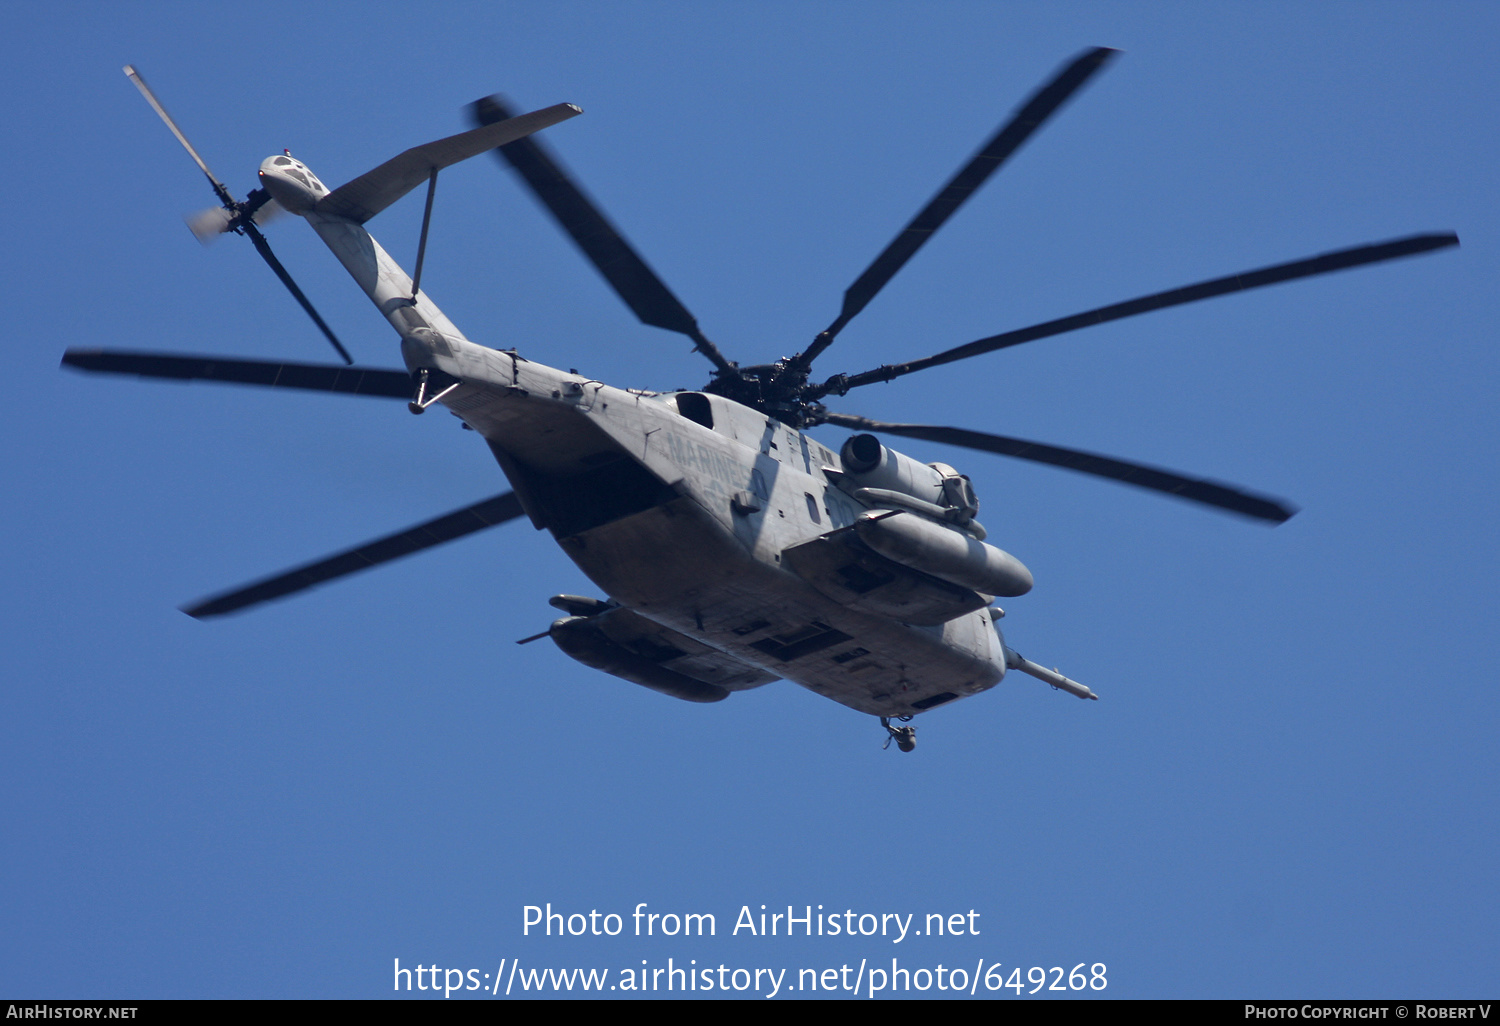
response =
{"points": [[871, 464], [944, 552]]}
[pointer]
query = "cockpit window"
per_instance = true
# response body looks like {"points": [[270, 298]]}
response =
{"points": [[282, 162]]}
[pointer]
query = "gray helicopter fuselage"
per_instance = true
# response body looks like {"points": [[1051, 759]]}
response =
{"points": [[734, 548], [687, 508]]}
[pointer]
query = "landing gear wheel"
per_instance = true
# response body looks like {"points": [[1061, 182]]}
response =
{"points": [[905, 737]]}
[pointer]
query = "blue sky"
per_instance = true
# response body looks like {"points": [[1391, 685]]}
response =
{"points": [[1287, 788]]}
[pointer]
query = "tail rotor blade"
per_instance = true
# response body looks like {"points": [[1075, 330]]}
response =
{"points": [[209, 223], [140, 83], [267, 212], [264, 249]]}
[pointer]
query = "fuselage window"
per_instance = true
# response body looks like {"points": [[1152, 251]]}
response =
{"points": [[695, 407], [812, 508]]}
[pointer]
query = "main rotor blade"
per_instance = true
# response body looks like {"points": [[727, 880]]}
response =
{"points": [[314, 377], [489, 513], [1194, 489], [632, 279], [140, 83], [1042, 105], [264, 249], [1323, 264]]}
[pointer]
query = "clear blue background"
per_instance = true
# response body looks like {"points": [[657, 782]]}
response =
{"points": [[1288, 787]]}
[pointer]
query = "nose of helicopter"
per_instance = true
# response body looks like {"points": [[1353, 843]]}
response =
{"points": [[290, 183]]}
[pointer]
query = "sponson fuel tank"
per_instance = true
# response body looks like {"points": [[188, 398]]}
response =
{"points": [[582, 639], [944, 552]]}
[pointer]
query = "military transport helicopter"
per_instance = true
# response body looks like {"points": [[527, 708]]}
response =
{"points": [[734, 548]]}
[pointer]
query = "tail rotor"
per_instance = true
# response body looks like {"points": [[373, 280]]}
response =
{"points": [[238, 216]]}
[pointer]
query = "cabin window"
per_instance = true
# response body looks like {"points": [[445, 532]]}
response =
{"points": [[696, 408], [812, 508]]}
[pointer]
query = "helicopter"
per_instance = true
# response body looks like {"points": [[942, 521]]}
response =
{"points": [[732, 547]]}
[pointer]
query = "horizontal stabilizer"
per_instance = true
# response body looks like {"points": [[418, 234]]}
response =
{"points": [[375, 190], [316, 377]]}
